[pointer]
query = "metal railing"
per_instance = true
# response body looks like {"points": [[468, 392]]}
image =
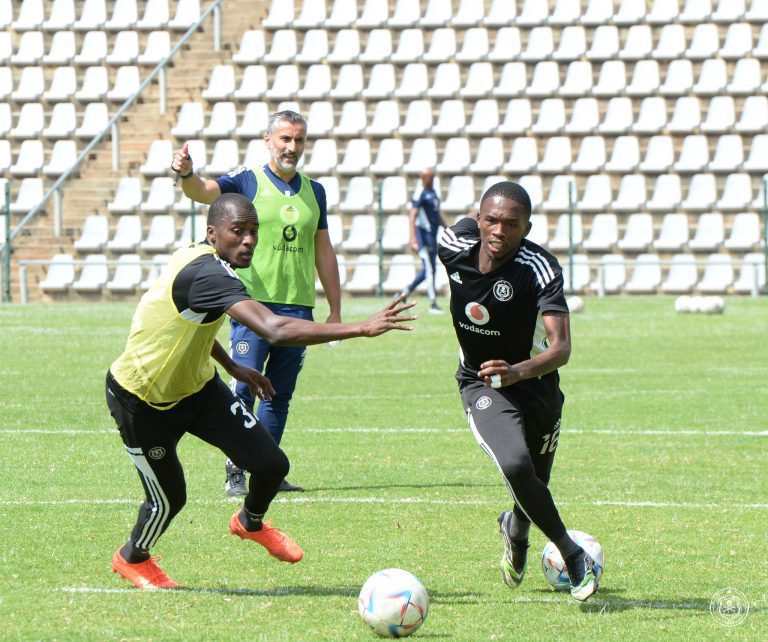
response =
{"points": [[113, 126]]}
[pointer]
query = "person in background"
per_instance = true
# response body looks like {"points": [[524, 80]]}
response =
{"points": [[513, 326], [425, 220], [295, 244], [165, 385]]}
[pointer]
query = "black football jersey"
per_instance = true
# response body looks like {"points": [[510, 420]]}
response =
{"points": [[498, 315]]}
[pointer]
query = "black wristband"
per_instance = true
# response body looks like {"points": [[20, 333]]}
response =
{"points": [[187, 176]]}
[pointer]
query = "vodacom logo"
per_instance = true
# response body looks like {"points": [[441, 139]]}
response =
{"points": [[477, 313]]}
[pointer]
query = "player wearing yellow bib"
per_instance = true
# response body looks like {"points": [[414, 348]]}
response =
{"points": [[164, 385], [294, 244]]}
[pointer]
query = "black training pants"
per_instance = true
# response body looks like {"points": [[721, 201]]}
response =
{"points": [[215, 415]]}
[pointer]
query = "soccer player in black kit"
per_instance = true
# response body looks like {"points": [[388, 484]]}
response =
{"points": [[511, 319]]}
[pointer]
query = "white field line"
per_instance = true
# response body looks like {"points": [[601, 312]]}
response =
{"points": [[361, 430], [384, 500]]}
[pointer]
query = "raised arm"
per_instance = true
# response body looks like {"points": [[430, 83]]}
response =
{"points": [[288, 331], [328, 270], [558, 329], [201, 190]]}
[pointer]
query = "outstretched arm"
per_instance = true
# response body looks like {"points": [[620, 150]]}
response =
{"points": [[288, 331], [202, 190], [558, 328]]}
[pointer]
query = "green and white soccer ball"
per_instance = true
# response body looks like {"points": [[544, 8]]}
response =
{"points": [[393, 603], [553, 566]]}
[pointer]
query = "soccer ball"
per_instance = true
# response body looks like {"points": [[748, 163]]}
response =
{"points": [[393, 603], [554, 568]]}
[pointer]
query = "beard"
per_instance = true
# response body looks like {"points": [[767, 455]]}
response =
{"points": [[283, 163]]}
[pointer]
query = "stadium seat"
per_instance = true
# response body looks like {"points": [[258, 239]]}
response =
{"points": [[562, 192], [442, 46], [125, 49], [158, 159], [389, 157], [418, 119], [394, 195], [128, 196], [365, 275], [373, 15], [359, 197], [198, 152], [357, 157], [534, 186], [381, 82], [738, 41], [475, 46], [507, 45], [597, 12], [591, 156], [695, 11], [625, 155], [551, 117], [754, 115], [557, 155], [128, 274], [223, 120], [362, 233], [631, 196], [760, 50], [728, 11], [161, 196], [253, 84], [30, 87], [224, 157], [30, 122], [500, 13], [423, 154], [686, 116], [281, 14], [489, 157], [662, 12], [93, 15], [187, 13], [612, 79], [682, 274], [513, 80], [709, 234], [702, 193], [611, 274], [479, 82], [578, 79], [757, 161], [638, 43], [456, 157], [93, 275], [343, 15], [751, 277], [581, 273], [572, 44], [673, 235], [446, 82], [737, 192], [679, 78], [585, 117], [335, 228], [713, 78], [659, 155], [221, 83], [124, 16], [29, 195], [352, 121], [694, 154], [618, 116], [60, 274], [252, 48], [539, 233], [5, 162], [746, 78], [189, 121], [451, 120], [630, 12], [652, 117], [603, 233], [646, 79], [744, 232], [396, 232], [436, 14], [161, 235], [349, 83], [728, 155], [545, 80], [331, 186], [62, 158], [540, 46], [29, 159], [30, 17], [468, 14], [63, 85], [410, 46], [718, 275], [93, 50], [672, 42], [30, 49], [127, 234], [378, 47], [313, 14], [518, 117], [188, 234], [95, 85], [638, 233], [646, 275], [604, 44], [705, 42], [157, 47], [485, 116], [757, 12], [385, 120], [523, 156], [460, 196], [597, 195], [283, 47], [95, 234], [323, 157], [532, 13], [346, 47]]}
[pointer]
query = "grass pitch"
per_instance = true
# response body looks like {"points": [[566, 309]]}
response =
{"points": [[662, 457]]}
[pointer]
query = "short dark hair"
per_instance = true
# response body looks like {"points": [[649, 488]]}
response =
{"points": [[287, 114], [227, 206], [512, 191]]}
